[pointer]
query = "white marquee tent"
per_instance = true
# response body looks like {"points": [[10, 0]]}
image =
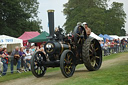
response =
{"points": [[126, 37], [120, 37], [114, 36], [10, 42], [95, 36]]}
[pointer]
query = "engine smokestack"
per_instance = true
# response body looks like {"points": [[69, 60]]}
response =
{"points": [[51, 22]]}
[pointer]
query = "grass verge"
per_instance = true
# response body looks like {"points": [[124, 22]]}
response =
{"points": [[15, 75]]}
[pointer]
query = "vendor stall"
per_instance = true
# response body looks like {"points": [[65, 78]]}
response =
{"points": [[28, 35], [10, 42]]}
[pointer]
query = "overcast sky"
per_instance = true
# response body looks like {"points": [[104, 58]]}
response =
{"points": [[57, 5]]}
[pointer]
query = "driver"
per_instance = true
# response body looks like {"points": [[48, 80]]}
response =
{"points": [[88, 30], [79, 30], [80, 34]]}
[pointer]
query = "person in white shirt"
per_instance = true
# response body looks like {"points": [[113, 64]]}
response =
{"points": [[32, 50], [27, 59]]}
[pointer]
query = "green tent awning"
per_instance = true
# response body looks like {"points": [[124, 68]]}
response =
{"points": [[40, 38]]}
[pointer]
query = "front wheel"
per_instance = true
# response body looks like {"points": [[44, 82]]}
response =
{"points": [[37, 68], [67, 63]]}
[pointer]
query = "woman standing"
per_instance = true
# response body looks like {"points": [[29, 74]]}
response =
{"points": [[5, 58], [22, 55]]}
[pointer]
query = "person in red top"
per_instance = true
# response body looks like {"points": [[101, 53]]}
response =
{"points": [[112, 46], [5, 60]]}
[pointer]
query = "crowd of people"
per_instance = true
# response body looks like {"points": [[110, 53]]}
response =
{"points": [[113, 46], [19, 57]]}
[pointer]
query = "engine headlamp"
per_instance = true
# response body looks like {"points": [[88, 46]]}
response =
{"points": [[49, 47]]}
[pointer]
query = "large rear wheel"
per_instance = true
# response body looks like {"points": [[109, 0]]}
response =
{"points": [[67, 63], [37, 68], [92, 54]]}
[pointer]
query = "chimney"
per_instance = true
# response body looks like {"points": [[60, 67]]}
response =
{"points": [[51, 22]]}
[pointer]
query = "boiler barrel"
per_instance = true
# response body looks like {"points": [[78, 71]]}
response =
{"points": [[53, 47]]}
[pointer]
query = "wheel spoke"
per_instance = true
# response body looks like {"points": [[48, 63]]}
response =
{"points": [[70, 60], [65, 66], [40, 70], [96, 64], [68, 56], [97, 49], [69, 70], [92, 59], [90, 50], [90, 55], [65, 60], [94, 42], [35, 63], [92, 46], [37, 69], [97, 56], [66, 69]]}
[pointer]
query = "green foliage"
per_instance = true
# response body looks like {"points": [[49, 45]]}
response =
{"points": [[17, 16], [123, 32], [96, 14], [115, 19]]}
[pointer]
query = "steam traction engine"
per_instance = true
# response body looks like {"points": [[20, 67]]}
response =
{"points": [[67, 52]]}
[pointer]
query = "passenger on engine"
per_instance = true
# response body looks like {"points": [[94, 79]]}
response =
{"points": [[88, 30]]}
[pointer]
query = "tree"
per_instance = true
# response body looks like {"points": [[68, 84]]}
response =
{"points": [[115, 19], [96, 14], [91, 11], [123, 32], [17, 16]]}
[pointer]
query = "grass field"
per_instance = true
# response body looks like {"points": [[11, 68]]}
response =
{"points": [[115, 75], [98, 77]]}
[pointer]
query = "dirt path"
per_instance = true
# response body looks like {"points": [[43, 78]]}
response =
{"points": [[56, 77]]}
